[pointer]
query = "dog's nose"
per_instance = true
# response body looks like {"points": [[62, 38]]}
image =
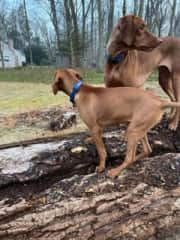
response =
{"points": [[160, 40]]}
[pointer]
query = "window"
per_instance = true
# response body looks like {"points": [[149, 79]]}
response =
{"points": [[6, 59]]}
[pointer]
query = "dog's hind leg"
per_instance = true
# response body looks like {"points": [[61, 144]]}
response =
{"points": [[147, 150], [165, 81], [176, 87], [129, 159], [133, 135]]}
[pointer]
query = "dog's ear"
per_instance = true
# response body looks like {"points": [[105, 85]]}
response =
{"points": [[128, 29], [77, 74], [56, 86]]}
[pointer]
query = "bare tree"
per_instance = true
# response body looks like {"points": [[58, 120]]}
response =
{"points": [[176, 25], [110, 18], [92, 29], [55, 23], [100, 49], [1, 43], [135, 12], [3, 29], [124, 10], [141, 8], [85, 11], [47, 37], [75, 33], [160, 10], [28, 32], [172, 17]]}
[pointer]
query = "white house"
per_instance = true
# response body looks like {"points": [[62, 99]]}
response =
{"points": [[12, 57]]}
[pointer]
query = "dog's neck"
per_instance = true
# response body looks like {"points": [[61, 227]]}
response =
{"points": [[68, 88]]}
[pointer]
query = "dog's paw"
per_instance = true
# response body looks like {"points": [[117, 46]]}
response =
{"points": [[112, 173], [100, 169]]}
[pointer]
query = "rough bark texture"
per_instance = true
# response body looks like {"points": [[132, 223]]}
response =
{"points": [[71, 202]]}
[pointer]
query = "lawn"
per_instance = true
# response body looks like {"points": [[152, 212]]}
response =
{"points": [[29, 89]]}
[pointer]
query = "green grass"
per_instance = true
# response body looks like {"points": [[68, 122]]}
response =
{"points": [[28, 75], [27, 89], [42, 75]]}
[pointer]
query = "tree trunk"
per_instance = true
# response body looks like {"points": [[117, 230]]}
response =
{"points": [[1, 55], [100, 50], [66, 200], [75, 34], [55, 23], [124, 10], [110, 19], [172, 18], [141, 9], [92, 42], [95, 207], [135, 12], [69, 31], [28, 33]]}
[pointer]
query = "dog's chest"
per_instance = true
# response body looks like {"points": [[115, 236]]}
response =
{"points": [[126, 76]]}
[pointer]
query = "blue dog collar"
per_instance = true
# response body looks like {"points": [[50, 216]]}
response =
{"points": [[119, 58], [75, 90]]}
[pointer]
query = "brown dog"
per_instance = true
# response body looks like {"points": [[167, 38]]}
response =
{"points": [[130, 35], [99, 107]]}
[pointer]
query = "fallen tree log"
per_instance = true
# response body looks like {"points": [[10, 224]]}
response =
{"points": [[49, 191], [142, 203], [71, 155]]}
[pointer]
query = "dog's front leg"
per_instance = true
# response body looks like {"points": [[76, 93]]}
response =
{"points": [[97, 137]]}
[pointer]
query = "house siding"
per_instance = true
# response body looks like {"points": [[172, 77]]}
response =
{"points": [[12, 57]]}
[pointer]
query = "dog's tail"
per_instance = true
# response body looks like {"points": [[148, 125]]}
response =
{"points": [[167, 104]]}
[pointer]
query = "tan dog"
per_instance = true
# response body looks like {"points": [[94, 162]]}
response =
{"points": [[143, 53], [99, 107]]}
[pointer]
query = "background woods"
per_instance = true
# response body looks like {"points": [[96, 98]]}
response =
{"points": [[75, 32]]}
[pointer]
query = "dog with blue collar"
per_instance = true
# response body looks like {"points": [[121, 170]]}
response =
{"points": [[100, 107]]}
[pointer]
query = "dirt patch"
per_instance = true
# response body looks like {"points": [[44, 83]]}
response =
{"points": [[37, 124]]}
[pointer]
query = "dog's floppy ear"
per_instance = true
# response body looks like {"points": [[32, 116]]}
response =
{"points": [[128, 29], [56, 84], [77, 74]]}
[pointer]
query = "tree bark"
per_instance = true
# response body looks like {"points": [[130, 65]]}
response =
{"points": [[28, 32], [1, 55], [55, 23], [75, 35], [100, 49], [142, 203], [172, 18], [85, 11], [135, 12], [124, 10], [141, 9], [110, 19]]}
